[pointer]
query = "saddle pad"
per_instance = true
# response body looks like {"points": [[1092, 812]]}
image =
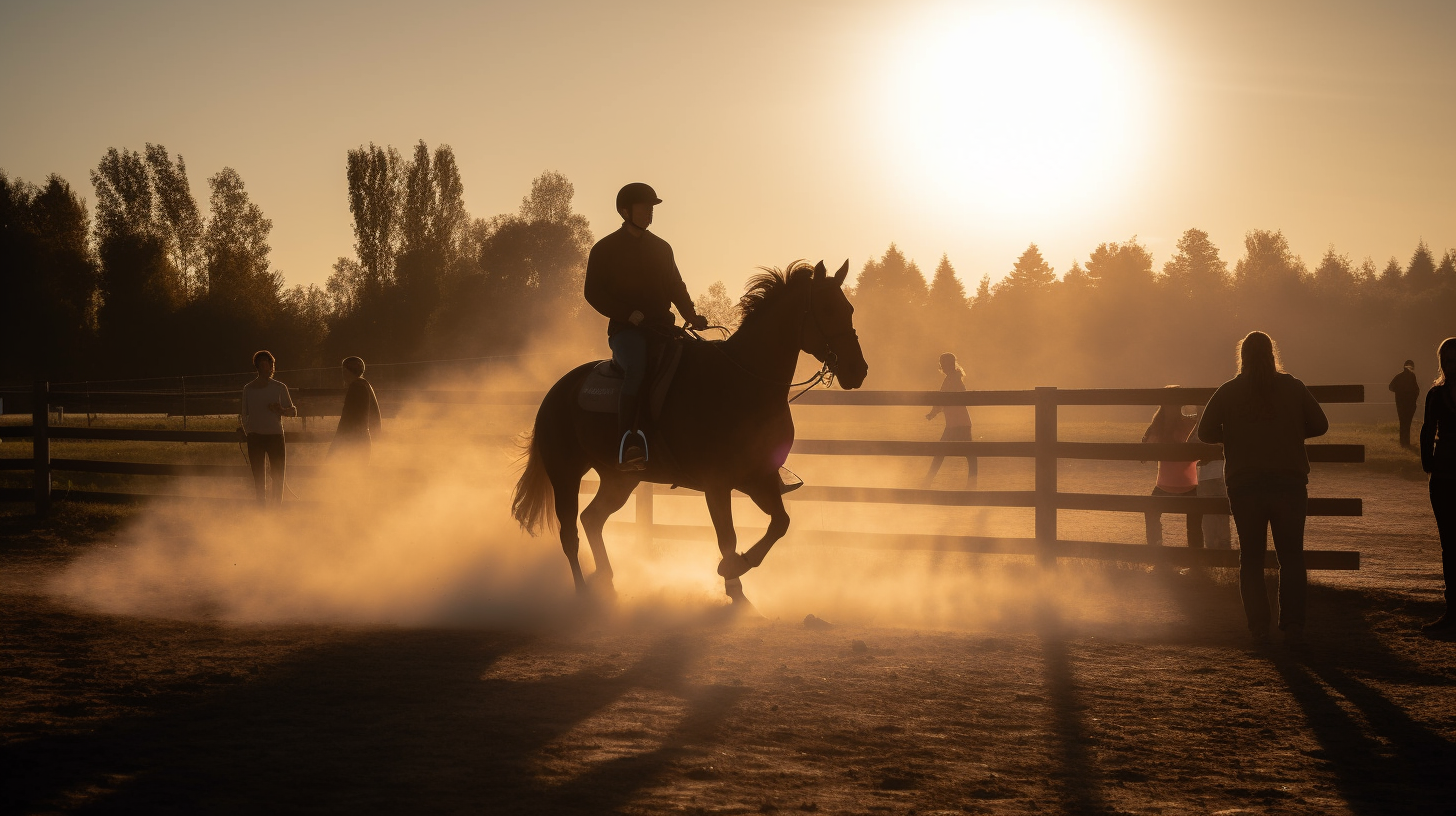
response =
{"points": [[600, 389]]}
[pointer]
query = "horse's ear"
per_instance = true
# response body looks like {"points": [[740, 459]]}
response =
{"points": [[819, 271], [842, 273]]}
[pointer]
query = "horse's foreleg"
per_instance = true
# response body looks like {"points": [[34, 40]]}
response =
{"points": [[771, 501], [720, 510], [566, 502], [612, 494]]}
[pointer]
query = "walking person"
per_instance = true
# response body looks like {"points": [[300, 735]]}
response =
{"points": [[957, 419], [1438, 458], [1262, 417], [1175, 478], [359, 418], [264, 405], [1407, 390]]}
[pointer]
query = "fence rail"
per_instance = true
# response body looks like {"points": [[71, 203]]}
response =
{"points": [[1045, 451]]}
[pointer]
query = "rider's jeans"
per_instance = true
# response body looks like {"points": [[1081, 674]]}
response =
{"points": [[629, 349]]}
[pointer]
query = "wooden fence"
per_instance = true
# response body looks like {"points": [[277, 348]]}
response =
{"points": [[1046, 450]]}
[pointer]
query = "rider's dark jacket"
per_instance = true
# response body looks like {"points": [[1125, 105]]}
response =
{"points": [[626, 274]]}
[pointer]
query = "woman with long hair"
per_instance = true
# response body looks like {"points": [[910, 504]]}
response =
{"points": [[1438, 458], [1262, 417]]}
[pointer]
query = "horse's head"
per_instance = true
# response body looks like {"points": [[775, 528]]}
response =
{"points": [[829, 328]]}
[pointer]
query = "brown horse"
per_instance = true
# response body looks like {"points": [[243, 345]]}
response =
{"points": [[726, 422]]}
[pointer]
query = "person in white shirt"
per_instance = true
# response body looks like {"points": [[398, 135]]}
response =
{"points": [[1216, 533], [264, 405]]}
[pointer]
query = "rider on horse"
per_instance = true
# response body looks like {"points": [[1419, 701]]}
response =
{"points": [[631, 278]]}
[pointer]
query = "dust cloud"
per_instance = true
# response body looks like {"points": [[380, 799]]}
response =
{"points": [[423, 537]]}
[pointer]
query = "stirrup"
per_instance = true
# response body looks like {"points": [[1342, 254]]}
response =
{"points": [[622, 448]]}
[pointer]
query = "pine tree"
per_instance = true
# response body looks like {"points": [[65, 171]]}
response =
{"points": [[1031, 273], [1420, 274], [1335, 272], [891, 282], [1196, 268]]}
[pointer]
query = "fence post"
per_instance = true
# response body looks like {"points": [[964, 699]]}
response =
{"points": [[40, 414], [1046, 475], [644, 513]]}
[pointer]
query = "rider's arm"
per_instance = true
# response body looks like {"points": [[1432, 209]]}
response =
{"points": [[678, 291]]}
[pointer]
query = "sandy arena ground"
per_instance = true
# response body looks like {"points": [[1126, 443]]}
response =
{"points": [[935, 684]]}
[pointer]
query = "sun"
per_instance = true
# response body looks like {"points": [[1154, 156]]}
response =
{"points": [[1015, 107]]}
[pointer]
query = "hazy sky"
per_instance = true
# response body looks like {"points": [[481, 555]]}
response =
{"points": [[781, 130]]}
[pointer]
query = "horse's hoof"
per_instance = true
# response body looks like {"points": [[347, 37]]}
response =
{"points": [[601, 586], [733, 565]]}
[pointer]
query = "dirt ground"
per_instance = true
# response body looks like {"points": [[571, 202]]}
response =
{"points": [[1098, 688]]}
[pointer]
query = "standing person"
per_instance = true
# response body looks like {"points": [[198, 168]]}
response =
{"points": [[359, 417], [1438, 458], [957, 419], [1407, 390], [265, 403], [1262, 417], [1175, 478], [632, 279]]}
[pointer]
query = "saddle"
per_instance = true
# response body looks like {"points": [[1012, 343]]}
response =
{"points": [[602, 386]]}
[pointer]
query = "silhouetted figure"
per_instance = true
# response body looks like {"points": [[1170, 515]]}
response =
{"points": [[359, 418], [631, 278], [1407, 390], [1438, 458], [726, 420], [957, 419], [1262, 417], [1216, 532], [265, 403], [1175, 478]]}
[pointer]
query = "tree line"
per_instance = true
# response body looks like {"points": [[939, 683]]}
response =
{"points": [[1118, 320], [149, 285]]}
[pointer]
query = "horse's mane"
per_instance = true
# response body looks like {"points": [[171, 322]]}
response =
{"points": [[766, 286]]}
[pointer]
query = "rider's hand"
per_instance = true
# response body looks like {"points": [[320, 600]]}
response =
{"points": [[698, 322], [636, 318]]}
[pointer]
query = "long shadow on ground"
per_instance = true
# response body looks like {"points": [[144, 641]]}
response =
{"points": [[1383, 761], [397, 721]]}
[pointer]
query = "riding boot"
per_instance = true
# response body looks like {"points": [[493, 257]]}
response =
{"points": [[631, 444]]}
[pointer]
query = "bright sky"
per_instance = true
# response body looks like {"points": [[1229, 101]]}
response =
{"points": [[779, 130]]}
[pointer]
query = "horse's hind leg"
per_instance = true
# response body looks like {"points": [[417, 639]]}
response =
{"points": [[566, 504], [613, 493]]}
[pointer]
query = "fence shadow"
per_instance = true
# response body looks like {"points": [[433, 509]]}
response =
{"points": [[1076, 776]]}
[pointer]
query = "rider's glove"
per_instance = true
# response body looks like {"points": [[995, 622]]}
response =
{"points": [[698, 322], [636, 318]]}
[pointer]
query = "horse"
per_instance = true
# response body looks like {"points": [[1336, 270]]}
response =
{"points": [[725, 422]]}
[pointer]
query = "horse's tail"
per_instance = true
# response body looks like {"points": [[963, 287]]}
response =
{"points": [[533, 505]]}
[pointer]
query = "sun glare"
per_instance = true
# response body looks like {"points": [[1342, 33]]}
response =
{"points": [[1015, 108]]}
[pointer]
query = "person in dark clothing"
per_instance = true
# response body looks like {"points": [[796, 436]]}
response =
{"points": [[1438, 458], [1262, 417], [957, 419], [631, 278], [359, 417], [1407, 390]]}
